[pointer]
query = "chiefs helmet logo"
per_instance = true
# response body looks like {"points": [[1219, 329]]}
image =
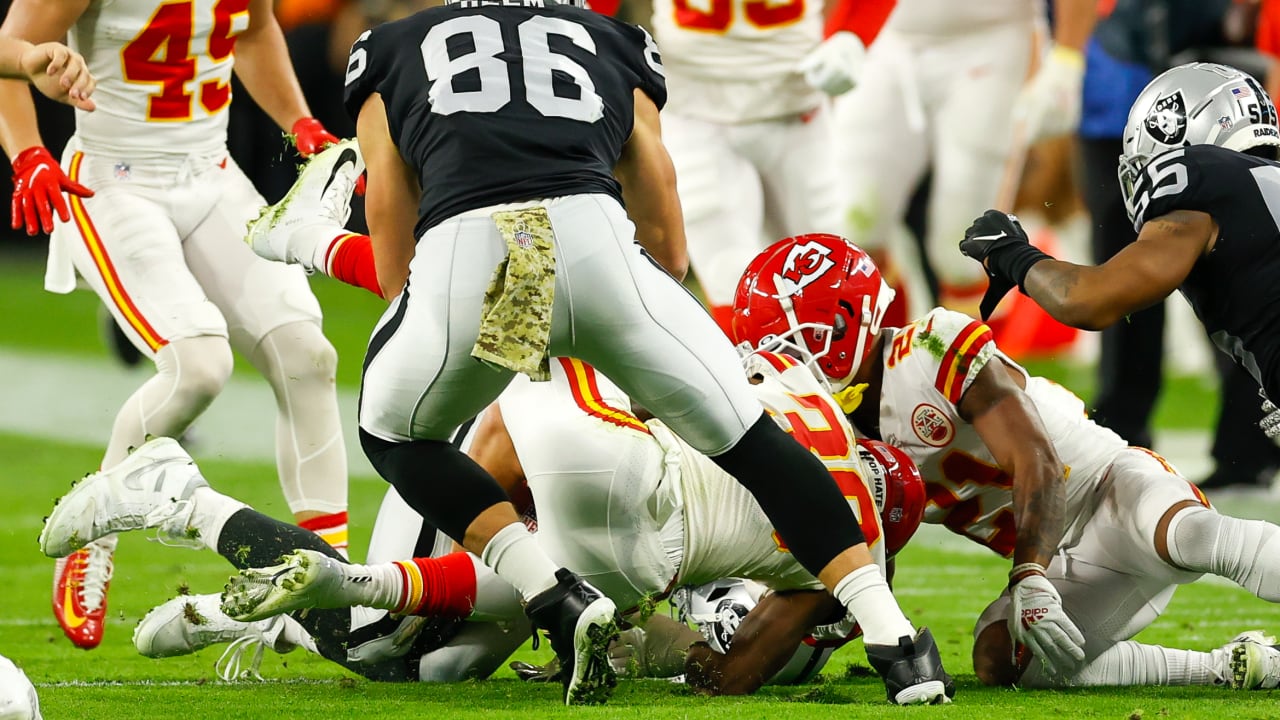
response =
{"points": [[932, 425], [804, 264]]}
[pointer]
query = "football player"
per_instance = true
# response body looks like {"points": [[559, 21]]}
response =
{"points": [[941, 90], [747, 127], [159, 239], [1202, 188], [520, 250], [54, 69], [632, 509], [1101, 534]]}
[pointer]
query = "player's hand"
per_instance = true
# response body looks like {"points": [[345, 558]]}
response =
{"points": [[1039, 622], [998, 241], [656, 650], [1049, 105], [1270, 423], [834, 66], [60, 73], [310, 137], [38, 184]]}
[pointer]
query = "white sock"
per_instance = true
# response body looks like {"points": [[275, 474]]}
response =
{"points": [[1131, 663], [210, 511], [867, 596], [1246, 551], [516, 557], [496, 599]]}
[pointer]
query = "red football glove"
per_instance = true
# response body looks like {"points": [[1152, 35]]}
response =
{"points": [[310, 137], [38, 184]]}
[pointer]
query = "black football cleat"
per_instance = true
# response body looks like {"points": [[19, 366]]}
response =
{"points": [[581, 623], [912, 670]]}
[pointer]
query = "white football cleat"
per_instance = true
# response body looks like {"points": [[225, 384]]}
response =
{"points": [[303, 579], [189, 623], [18, 699], [314, 210], [150, 489], [1255, 661]]}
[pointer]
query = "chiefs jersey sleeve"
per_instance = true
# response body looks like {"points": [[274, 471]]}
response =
{"points": [[947, 349]]}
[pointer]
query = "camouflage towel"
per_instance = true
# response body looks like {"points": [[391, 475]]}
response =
{"points": [[515, 323]]}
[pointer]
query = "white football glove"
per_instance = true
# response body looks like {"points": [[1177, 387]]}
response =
{"points": [[656, 650], [1049, 105], [1039, 622], [834, 66], [1270, 423]]}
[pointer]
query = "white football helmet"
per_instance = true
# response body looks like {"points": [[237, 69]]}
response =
{"points": [[717, 609], [1194, 104], [18, 699]]}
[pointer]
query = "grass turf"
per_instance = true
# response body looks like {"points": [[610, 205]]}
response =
{"points": [[938, 586]]}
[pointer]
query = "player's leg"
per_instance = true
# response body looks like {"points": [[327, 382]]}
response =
{"points": [[721, 201], [634, 323], [125, 246], [974, 81], [274, 321], [802, 188], [880, 147], [420, 383]]}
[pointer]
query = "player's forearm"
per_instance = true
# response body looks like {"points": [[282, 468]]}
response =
{"points": [[1073, 22], [1039, 497], [11, 50], [264, 67], [18, 127], [1077, 295]]}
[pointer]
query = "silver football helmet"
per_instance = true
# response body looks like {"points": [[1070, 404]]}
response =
{"points": [[1194, 104]]}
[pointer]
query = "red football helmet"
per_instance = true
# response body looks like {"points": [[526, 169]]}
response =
{"points": [[898, 490], [817, 296]]}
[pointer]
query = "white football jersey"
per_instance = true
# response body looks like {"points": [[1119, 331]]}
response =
{"points": [[928, 366], [949, 17], [736, 39], [726, 532], [164, 74]]}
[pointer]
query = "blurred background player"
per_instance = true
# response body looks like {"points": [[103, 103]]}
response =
{"points": [[945, 87], [747, 132], [158, 211]]}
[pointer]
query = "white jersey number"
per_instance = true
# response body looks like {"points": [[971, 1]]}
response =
{"points": [[539, 65]]}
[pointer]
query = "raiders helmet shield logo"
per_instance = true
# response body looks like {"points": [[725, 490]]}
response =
{"points": [[1167, 121]]}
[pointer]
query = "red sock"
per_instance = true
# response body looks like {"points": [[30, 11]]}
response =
{"points": [[350, 260], [331, 528], [438, 587]]}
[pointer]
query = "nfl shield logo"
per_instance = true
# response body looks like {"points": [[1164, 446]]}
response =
{"points": [[122, 170], [524, 239]]}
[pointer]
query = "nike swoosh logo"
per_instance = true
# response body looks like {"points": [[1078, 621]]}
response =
{"points": [[348, 156], [133, 480], [990, 237], [69, 617]]}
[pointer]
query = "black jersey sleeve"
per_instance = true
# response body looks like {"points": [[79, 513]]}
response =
{"points": [[644, 60], [363, 72], [1197, 177]]}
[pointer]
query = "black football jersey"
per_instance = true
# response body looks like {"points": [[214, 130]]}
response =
{"points": [[499, 101], [1235, 289]]}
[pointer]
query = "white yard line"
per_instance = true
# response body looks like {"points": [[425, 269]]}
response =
{"points": [[75, 400]]}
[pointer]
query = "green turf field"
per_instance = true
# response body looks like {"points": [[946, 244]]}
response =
{"points": [[940, 583]]}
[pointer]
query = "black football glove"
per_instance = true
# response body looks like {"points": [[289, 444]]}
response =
{"points": [[998, 241]]}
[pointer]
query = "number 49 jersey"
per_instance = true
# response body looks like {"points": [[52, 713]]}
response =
{"points": [[928, 367], [496, 104], [164, 74], [1235, 289]]}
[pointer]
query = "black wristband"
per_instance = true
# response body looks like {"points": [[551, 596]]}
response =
{"points": [[1014, 261]]}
